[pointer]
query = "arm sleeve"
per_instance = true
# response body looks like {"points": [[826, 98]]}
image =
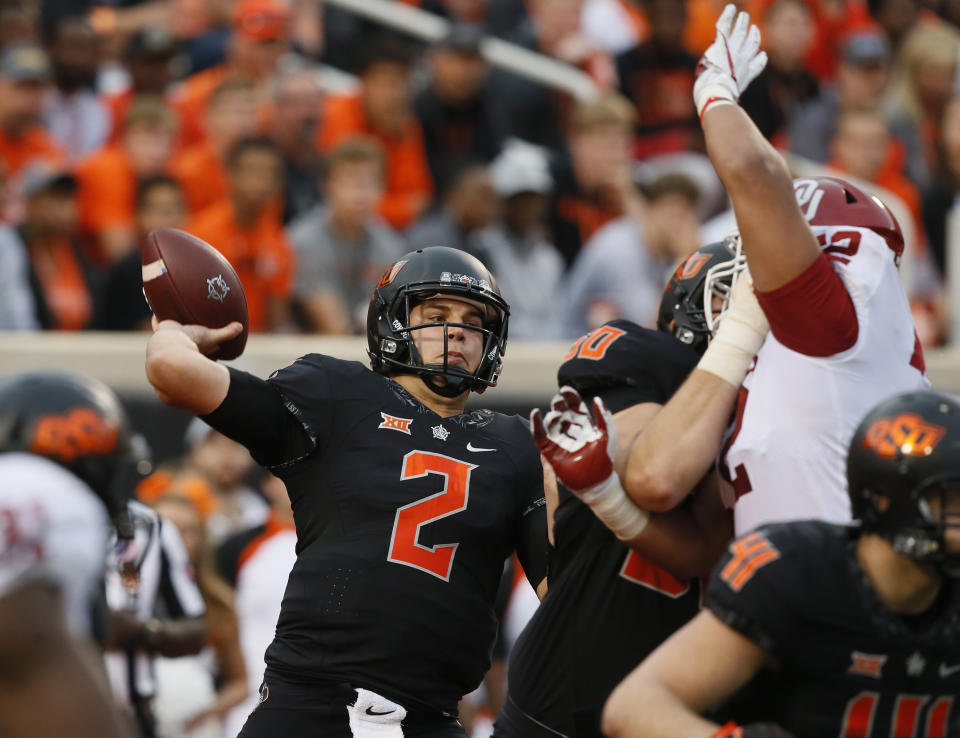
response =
{"points": [[178, 595], [276, 436], [532, 541], [812, 313]]}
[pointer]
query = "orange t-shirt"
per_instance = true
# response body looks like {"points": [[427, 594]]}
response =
{"points": [[409, 186], [261, 254], [118, 105], [190, 103], [202, 175], [64, 285], [107, 190], [35, 144]]}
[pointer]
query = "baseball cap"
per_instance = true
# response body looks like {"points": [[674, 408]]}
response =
{"points": [[521, 167], [464, 38], [262, 20], [866, 48], [43, 176], [24, 62]]}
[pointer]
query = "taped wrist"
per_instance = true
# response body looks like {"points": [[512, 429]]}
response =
{"points": [[731, 351], [713, 93], [615, 509]]}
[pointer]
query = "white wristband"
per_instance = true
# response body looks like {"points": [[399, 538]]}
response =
{"points": [[731, 351], [713, 94], [615, 509]]}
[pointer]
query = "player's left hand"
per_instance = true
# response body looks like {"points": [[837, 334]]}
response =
{"points": [[579, 447], [731, 62]]}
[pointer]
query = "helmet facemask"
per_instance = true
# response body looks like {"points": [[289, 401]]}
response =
{"points": [[720, 281]]}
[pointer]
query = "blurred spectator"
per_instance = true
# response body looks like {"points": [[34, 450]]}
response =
{"points": [[256, 562], [186, 704], [18, 23], [261, 33], [246, 228], [382, 109], [862, 78], [151, 57], [835, 21], [614, 25], [24, 78], [75, 115], [527, 267], [461, 119], [594, 184], [926, 80], [861, 148], [622, 271], [224, 464], [785, 83], [200, 169], [942, 197], [895, 17], [534, 112], [108, 178], [18, 311], [159, 203], [469, 205], [61, 278], [657, 76], [298, 99], [343, 247]]}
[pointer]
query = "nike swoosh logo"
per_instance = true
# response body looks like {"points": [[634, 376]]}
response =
{"points": [[371, 711], [471, 447], [946, 671]]}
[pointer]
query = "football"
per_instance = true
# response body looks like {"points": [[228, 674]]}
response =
{"points": [[188, 280]]}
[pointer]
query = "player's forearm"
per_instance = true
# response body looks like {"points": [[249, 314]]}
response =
{"points": [[181, 375], [643, 708], [658, 476]]}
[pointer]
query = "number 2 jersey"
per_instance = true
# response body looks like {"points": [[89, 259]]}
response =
{"points": [[846, 667], [607, 607], [404, 519], [799, 406]]}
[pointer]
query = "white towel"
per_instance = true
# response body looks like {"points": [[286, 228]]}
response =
{"points": [[374, 716]]}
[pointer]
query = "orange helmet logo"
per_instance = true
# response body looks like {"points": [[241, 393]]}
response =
{"points": [[907, 434], [692, 266], [79, 432], [391, 273]]}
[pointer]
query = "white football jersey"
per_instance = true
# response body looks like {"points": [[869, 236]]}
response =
{"points": [[796, 413], [53, 527]]}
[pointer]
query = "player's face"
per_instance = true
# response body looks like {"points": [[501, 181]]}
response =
{"points": [[946, 507], [464, 346]]}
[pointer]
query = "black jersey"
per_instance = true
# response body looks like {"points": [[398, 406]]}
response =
{"points": [[606, 607], [846, 666], [404, 519]]}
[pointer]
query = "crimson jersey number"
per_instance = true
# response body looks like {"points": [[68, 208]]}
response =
{"points": [[404, 547], [859, 716]]}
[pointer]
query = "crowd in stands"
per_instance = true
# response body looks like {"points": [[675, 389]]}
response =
{"points": [[219, 117]]}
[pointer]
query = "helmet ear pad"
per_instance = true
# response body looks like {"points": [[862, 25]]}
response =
{"points": [[427, 273]]}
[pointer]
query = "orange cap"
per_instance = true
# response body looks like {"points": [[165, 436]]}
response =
{"points": [[262, 20]]}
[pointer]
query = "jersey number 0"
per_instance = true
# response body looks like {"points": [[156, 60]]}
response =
{"points": [[404, 547]]}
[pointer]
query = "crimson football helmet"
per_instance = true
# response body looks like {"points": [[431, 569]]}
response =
{"points": [[829, 201], [904, 451], [79, 423], [418, 275]]}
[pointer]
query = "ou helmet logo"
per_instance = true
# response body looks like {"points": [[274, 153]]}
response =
{"points": [[809, 194]]}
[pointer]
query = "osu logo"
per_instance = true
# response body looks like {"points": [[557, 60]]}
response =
{"points": [[907, 434], [391, 274], [79, 432], [692, 266]]}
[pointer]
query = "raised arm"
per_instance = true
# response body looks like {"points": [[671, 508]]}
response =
{"points": [[776, 238]]}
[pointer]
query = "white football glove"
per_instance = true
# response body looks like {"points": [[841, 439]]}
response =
{"points": [[731, 62]]}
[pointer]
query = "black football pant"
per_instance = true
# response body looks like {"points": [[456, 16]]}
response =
{"points": [[295, 710]]}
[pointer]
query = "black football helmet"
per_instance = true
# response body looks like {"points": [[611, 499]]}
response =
{"points": [[906, 449], [422, 274], [683, 307], [78, 422]]}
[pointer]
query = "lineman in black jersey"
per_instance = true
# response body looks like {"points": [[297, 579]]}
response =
{"points": [[609, 605], [845, 630], [405, 505]]}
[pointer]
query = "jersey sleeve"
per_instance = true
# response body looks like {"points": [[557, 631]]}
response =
{"points": [[747, 590], [178, 594], [532, 544], [627, 364], [277, 436]]}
